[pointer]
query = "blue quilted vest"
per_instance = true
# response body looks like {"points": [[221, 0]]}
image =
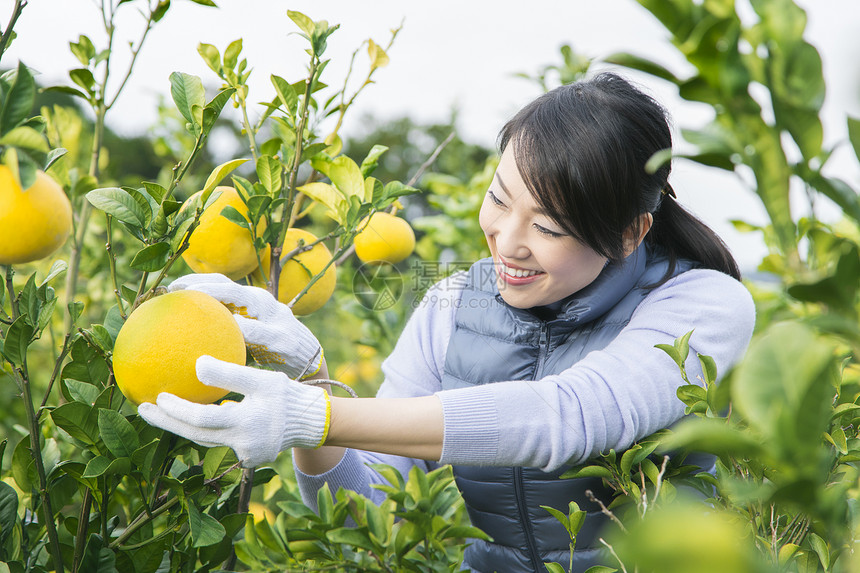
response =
{"points": [[505, 501]]}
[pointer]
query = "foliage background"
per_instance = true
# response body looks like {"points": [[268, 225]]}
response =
{"points": [[813, 287]]}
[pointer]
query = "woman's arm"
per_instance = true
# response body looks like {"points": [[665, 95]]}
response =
{"points": [[410, 427]]}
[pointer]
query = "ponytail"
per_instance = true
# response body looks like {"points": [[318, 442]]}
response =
{"points": [[683, 236]]}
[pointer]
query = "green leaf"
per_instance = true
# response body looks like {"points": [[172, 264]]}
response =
{"points": [[587, 471], [18, 103], [600, 569], [59, 267], [143, 456], [672, 352], [211, 56], [782, 386], [8, 511], [102, 465], [325, 504], [205, 529], [711, 435], [642, 64], [187, 91], [210, 3], [81, 391], [286, 94], [346, 176], [155, 190], [854, 134], [231, 214], [220, 173], [354, 537], [84, 78], [117, 432], [17, 340], [119, 204], [328, 196], [231, 54], [709, 368], [152, 257], [25, 137], [218, 460], [213, 109], [304, 23], [820, 547], [79, 420], [839, 192], [561, 517], [627, 459], [83, 50], [97, 558], [839, 440], [372, 160], [269, 171], [23, 465], [554, 567]]}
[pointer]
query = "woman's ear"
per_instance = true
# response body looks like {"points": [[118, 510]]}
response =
{"points": [[636, 232]]}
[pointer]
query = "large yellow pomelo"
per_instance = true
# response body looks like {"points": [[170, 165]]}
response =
{"points": [[218, 245], [298, 271], [385, 238], [261, 512], [158, 346], [34, 222]]}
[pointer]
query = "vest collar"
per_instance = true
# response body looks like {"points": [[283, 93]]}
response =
{"points": [[589, 303]]}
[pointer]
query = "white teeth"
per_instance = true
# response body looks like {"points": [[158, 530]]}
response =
{"points": [[518, 272]]}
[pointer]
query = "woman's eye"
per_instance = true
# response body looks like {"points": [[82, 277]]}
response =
{"points": [[495, 199], [547, 232]]}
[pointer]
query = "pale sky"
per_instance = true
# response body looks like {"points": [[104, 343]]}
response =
{"points": [[448, 53]]}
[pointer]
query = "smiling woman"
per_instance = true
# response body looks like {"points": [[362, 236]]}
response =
{"points": [[538, 358]]}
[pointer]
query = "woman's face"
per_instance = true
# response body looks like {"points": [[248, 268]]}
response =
{"points": [[536, 262]]}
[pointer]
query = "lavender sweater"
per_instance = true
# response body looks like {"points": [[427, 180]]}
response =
{"points": [[609, 399]]}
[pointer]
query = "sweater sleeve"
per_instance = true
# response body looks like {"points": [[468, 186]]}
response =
{"points": [[414, 368], [611, 397]]}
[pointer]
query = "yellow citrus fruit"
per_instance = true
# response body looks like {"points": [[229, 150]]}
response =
{"points": [[386, 238], [157, 348], [346, 373], [219, 245], [259, 511], [34, 222], [299, 270]]}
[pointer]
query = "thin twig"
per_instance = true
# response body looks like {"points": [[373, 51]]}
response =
{"points": [[590, 495], [614, 554], [7, 34]]}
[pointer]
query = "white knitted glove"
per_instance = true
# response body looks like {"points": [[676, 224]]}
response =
{"points": [[276, 412], [273, 335]]}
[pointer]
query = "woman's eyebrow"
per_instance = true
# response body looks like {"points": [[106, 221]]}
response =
{"points": [[536, 209]]}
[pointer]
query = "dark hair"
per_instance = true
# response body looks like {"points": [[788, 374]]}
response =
{"points": [[582, 148]]}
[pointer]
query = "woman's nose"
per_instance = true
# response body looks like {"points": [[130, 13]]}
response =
{"points": [[510, 244]]}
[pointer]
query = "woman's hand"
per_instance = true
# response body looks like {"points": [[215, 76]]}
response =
{"points": [[276, 413], [275, 338]]}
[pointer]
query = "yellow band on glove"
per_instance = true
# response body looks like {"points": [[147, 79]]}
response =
{"points": [[327, 420]]}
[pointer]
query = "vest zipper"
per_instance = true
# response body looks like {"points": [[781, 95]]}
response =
{"points": [[519, 484]]}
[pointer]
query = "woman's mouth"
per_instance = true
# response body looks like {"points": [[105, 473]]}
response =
{"points": [[516, 276]]}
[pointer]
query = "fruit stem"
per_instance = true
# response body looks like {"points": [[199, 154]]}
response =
{"points": [[308, 246], [7, 34], [57, 365], [83, 526], [112, 264], [275, 266], [22, 376], [316, 277]]}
